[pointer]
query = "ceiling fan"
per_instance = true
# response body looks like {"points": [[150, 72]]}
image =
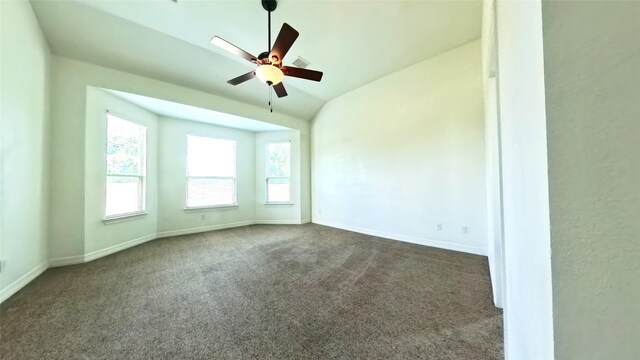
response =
{"points": [[269, 68]]}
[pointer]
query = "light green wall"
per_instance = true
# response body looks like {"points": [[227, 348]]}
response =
{"points": [[166, 169], [172, 172], [24, 104], [66, 208], [278, 213], [592, 86], [305, 173], [99, 235], [70, 79]]}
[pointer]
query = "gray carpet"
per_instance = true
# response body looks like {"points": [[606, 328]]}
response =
{"points": [[259, 292]]}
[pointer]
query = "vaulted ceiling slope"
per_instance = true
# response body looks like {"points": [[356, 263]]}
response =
{"points": [[352, 42]]}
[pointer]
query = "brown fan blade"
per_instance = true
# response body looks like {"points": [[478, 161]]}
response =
{"points": [[225, 45], [285, 39], [302, 73], [280, 90], [242, 78]]}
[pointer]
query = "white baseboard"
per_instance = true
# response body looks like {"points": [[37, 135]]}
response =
{"points": [[278, 222], [119, 247], [22, 281], [79, 259], [200, 229], [64, 261], [70, 260], [405, 238], [305, 221]]}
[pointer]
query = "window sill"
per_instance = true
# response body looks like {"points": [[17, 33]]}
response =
{"points": [[279, 203], [212, 207], [124, 217]]}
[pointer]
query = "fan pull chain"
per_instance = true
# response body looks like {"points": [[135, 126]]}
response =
{"points": [[270, 100]]}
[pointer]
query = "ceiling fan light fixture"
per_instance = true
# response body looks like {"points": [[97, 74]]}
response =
{"points": [[269, 74]]}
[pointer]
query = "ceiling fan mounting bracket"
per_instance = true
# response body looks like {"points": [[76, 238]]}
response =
{"points": [[269, 5]]}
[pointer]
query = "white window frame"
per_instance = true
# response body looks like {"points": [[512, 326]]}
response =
{"points": [[143, 170], [267, 178], [187, 177]]}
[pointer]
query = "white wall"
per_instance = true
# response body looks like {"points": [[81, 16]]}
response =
{"points": [[528, 317], [172, 150], [278, 213], [495, 243], [70, 79], [404, 153], [99, 235], [24, 124], [592, 78], [494, 191]]}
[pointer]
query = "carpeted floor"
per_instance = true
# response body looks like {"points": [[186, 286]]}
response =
{"points": [[259, 292]]}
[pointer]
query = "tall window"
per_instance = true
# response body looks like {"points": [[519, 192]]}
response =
{"points": [[278, 172], [211, 172], [126, 167]]}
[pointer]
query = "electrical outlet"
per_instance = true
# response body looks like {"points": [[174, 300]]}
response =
{"points": [[202, 217], [465, 230], [439, 227], [2, 264]]}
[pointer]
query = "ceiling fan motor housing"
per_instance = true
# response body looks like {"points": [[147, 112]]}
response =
{"points": [[266, 58]]}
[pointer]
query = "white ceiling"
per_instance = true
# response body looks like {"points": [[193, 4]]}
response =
{"points": [[192, 113], [353, 42]]}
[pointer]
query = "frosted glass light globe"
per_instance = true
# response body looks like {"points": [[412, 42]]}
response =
{"points": [[269, 74]]}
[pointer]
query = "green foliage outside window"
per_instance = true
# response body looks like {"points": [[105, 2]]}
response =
{"points": [[278, 160]]}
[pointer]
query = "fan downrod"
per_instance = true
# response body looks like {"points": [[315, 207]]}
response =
{"points": [[269, 5]]}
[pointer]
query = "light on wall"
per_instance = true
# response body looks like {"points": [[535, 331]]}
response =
{"points": [[269, 74]]}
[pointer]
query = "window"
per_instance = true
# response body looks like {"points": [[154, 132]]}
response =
{"points": [[126, 167], [211, 172], [278, 173]]}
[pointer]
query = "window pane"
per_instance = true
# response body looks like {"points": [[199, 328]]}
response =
{"points": [[278, 159], [126, 142], [210, 157], [125, 155], [278, 190], [124, 195], [210, 192]]}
